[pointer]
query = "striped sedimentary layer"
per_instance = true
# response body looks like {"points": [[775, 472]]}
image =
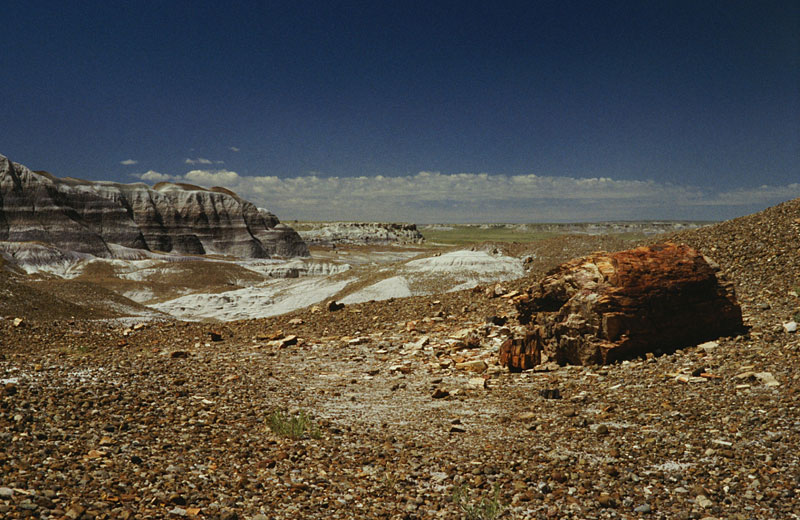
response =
{"points": [[91, 217]]}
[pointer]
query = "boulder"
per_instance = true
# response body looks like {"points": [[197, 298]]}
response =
{"points": [[611, 306]]}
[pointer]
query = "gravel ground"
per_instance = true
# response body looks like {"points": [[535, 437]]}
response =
{"points": [[408, 410]]}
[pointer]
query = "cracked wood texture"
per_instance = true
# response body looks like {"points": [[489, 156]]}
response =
{"points": [[611, 306]]}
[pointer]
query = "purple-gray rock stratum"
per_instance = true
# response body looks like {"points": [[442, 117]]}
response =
{"points": [[94, 217]]}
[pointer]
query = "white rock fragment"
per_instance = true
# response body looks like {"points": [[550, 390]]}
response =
{"points": [[685, 378], [478, 382], [767, 379], [461, 334], [421, 342], [790, 326], [708, 346], [703, 501]]}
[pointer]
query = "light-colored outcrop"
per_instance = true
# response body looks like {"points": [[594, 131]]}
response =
{"points": [[330, 233], [93, 217]]}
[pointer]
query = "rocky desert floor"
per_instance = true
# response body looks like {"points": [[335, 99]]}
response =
{"points": [[399, 408]]}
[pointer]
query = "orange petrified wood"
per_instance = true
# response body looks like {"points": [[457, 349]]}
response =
{"points": [[605, 307]]}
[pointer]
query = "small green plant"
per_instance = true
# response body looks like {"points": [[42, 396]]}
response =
{"points": [[293, 426], [487, 508]]}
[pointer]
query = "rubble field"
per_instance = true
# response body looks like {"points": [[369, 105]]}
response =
{"points": [[399, 409]]}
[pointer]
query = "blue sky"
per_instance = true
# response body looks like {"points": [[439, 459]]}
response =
{"points": [[416, 111]]}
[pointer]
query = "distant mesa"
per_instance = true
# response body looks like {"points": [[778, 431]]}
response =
{"points": [[106, 219], [360, 233]]}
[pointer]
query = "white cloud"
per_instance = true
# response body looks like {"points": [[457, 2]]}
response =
{"points": [[129, 162], [210, 178], [233, 148], [199, 160], [762, 195], [471, 197], [154, 176]]}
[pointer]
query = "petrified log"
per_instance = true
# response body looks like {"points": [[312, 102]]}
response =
{"points": [[607, 307], [521, 353]]}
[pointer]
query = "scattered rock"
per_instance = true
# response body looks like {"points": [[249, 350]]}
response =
{"points": [[333, 306], [288, 341], [607, 501], [703, 501], [550, 393], [198, 432], [496, 320], [403, 369], [75, 511], [440, 393], [478, 382], [10, 389], [766, 379], [475, 365], [600, 429], [496, 291]]}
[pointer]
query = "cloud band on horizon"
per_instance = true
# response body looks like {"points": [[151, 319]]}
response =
{"points": [[480, 197]]}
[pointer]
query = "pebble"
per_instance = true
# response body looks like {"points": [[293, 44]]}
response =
{"points": [[767, 379], [606, 500], [27, 505], [550, 393], [440, 393], [703, 501], [476, 365]]}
